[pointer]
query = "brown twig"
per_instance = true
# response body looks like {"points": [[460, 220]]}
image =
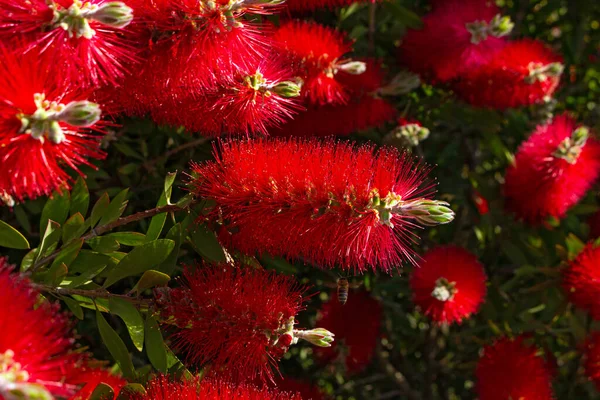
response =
{"points": [[387, 367]]}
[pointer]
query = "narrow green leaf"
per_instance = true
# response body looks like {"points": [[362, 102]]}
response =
{"points": [[73, 306], [90, 273], [68, 254], [175, 234], [574, 246], [56, 209], [129, 390], [87, 260], [155, 346], [141, 259], [29, 259], [99, 209], [206, 244], [73, 228], [22, 217], [404, 15], [116, 208], [132, 319], [128, 238], [115, 346], [80, 198], [158, 221], [151, 279], [103, 244], [55, 274], [50, 238], [97, 304], [12, 238], [102, 392]]}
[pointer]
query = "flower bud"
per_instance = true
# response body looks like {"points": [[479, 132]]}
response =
{"points": [[501, 25], [570, 148], [319, 336], [426, 212], [353, 67], [542, 72], [288, 89], [80, 113], [115, 14]]}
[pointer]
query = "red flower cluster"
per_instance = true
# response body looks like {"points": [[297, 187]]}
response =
{"points": [[510, 369], [238, 320], [448, 284], [41, 128], [161, 388], [581, 280], [83, 39], [357, 326], [35, 342], [592, 358], [333, 204], [308, 5], [552, 171]]}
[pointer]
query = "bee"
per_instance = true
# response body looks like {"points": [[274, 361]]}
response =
{"points": [[342, 290]]}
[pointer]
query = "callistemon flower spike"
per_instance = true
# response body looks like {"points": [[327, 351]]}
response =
{"points": [[580, 280], [41, 128], [334, 204], [552, 171], [82, 39], [240, 321], [36, 354]]}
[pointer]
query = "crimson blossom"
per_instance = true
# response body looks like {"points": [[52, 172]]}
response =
{"points": [[448, 284], [510, 369], [552, 171], [240, 321], [522, 73], [162, 388], [41, 128], [91, 377], [456, 37], [330, 203], [83, 39], [581, 280], [35, 342], [592, 358], [357, 325]]}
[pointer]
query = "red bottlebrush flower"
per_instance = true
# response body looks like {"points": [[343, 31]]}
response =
{"points": [[161, 388], [35, 342], [581, 280], [456, 37], [310, 5], [238, 320], [357, 325], [330, 203], [448, 284], [365, 109], [91, 378], [594, 223], [510, 369], [83, 40], [530, 69], [317, 53], [41, 128], [552, 171], [592, 358]]}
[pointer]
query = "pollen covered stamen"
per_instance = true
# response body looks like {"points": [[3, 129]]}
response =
{"points": [[45, 121], [76, 19], [540, 73], [498, 26], [570, 148], [444, 290]]}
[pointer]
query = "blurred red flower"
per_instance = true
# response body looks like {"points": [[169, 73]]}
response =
{"points": [[581, 280]]}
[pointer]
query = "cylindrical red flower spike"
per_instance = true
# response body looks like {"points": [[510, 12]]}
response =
{"points": [[594, 223], [448, 284], [592, 358], [330, 203], [357, 326], [35, 342], [552, 170], [83, 39], [510, 369], [530, 69], [319, 55], [240, 321], [456, 37], [41, 128], [310, 5], [162, 388], [90, 378], [581, 280]]}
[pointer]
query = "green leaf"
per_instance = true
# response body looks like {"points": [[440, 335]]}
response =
{"points": [[97, 304], [99, 209], [130, 389], [151, 279], [29, 259], [12, 238], [102, 392], [404, 15], [132, 319], [89, 260], [116, 208], [73, 228], [155, 346], [73, 306], [90, 273], [22, 218], [141, 259], [80, 198], [68, 254], [55, 274], [206, 244], [128, 238], [50, 238], [115, 346], [56, 209], [103, 244], [278, 264], [176, 235], [158, 221], [574, 246]]}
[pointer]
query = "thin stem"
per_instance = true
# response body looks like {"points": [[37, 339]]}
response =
{"points": [[93, 294]]}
